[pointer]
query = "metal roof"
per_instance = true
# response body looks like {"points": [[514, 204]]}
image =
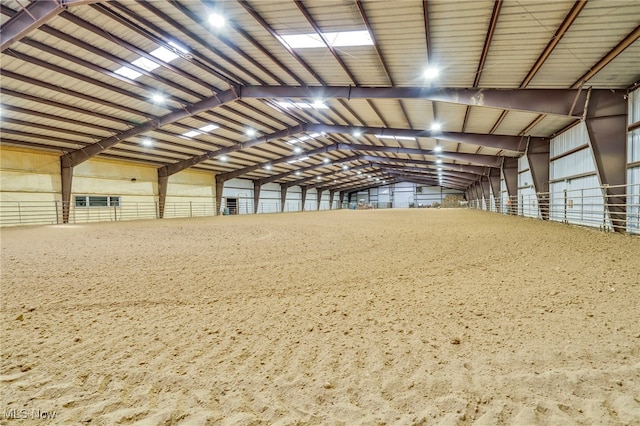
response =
{"points": [[61, 92]]}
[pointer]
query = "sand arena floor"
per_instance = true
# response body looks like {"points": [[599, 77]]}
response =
{"points": [[345, 317]]}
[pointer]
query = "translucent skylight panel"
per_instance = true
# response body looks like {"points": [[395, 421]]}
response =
{"points": [[164, 54], [145, 64], [191, 134], [209, 128], [128, 72], [335, 39]]}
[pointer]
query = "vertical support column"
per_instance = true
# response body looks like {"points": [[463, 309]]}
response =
{"points": [[332, 193], [510, 171], [219, 189], [319, 191], [283, 197], [477, 193], [342, 194], [485, 188], [494, 180], [304, 196], [163, 183], [66, 176], [538, 155], [256, 195], [607, 127]]}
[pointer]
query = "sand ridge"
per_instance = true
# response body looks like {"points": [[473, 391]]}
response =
{"points": [[347, 317]]}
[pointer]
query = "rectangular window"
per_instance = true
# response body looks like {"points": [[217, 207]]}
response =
{"points": [[97, 201]]}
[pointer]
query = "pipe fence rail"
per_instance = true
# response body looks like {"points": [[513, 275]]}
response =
{"points": [[608, 208]]}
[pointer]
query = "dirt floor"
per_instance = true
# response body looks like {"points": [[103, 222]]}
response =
{"points": [[348, 317]]}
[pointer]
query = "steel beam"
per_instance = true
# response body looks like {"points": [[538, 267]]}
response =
{"points": [[66, 175], [236, 173], [319, 192], [163, 184], [283, 197], [510, 172], [494, 179], [606, 124], [511, 143], [219, 190], [477, 170], [332, 193], [486, 191], [304, 196], [274, 178], [256, 195], [79, 156], [33, 16], [545, 101], [538, 156]]}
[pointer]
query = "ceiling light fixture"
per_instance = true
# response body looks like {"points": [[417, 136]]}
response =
{"points": [[436, 127], [251, 132], [224, 158], [217, 20], [147, 142], [268, 167], [431, 72], [437, 148], [157, 98], [326, 160], [297, 150], [357, 133]]}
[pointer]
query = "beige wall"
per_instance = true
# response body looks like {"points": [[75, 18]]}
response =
{"points": [[32, 178]]}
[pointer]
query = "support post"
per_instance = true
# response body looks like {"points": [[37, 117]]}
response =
{"points": [[163, 183], [283, 197], [304, 196], [66, 175], [256, 195], [607, 127], [332, 193], [219, 189], [485, 188], [510, 171], [494, 179], [538, 155], [319, 192], [342, 194]]}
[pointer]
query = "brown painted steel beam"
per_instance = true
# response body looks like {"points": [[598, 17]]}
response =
{"points": [[607, 128], [301, 181], [256, 195], [332, 193], [303, 197], [283, 198], [546, 101], [219, 191], [174, 168], [485, 185], [493, 21], [79, 156], [33, 16], [494, 180], [538, 156], [510, 172], [557, 36], [274, 178], [610, 56], [478, 170]]}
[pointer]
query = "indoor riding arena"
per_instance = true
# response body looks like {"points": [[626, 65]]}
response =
{"points": [[322, 212]]}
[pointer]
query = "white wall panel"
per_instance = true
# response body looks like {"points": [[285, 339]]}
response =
{"points": [[527, 198], [633, 200], [403, 194], [634, 106], [577, 163], [572, 138], [633, 147]]}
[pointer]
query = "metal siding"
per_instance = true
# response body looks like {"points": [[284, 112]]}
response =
{"points": [[633, 146], [634, 106], [578, 163], [527, 199], [572, 138], [633, 200]]}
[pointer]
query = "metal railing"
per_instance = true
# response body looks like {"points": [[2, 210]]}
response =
{"points": [[15, 213], [607, 208]]}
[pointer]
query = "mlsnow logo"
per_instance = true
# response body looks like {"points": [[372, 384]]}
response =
{"points": [[25, 414]]}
